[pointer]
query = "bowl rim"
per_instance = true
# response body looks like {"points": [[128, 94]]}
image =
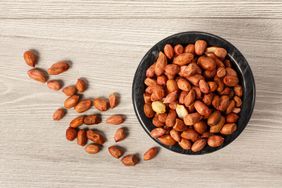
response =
{"points": [[252, 80]]}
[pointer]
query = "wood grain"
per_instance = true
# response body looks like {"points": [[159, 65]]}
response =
{"points": [[132, 9], [105, 41]]}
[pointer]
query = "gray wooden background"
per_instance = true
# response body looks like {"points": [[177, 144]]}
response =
{"points": [[106, 40]]}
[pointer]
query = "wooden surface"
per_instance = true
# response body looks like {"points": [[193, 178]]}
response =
{"points": [[106, 40]]}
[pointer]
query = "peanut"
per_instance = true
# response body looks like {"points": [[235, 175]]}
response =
{"points": [[30, 58], [215, 141], [59, 114], [201, 90], [200, 47], [120, 134], [115, 119], [157, 132], [167, 140], [192, 118], [130, 160], [151, 153], [185, 144], [228, 128], [198, 145], [168, 51], [81, 85], [158, 107], [58, 68], [178, 49], [92, 148], [116, 151], [160, 64], [76, 122]]}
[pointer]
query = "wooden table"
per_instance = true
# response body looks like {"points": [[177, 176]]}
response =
{"points": [[106, 40]]}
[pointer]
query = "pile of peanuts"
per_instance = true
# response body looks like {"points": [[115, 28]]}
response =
{"points": [[193, 96], [75, 100]]}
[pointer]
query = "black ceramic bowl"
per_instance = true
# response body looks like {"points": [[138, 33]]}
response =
{"points": [[238, 62]]}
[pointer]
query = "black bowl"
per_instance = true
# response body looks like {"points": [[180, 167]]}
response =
{"points": [[238, 62]]}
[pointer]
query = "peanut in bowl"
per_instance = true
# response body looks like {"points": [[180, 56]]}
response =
{"points": [[193, 93]]}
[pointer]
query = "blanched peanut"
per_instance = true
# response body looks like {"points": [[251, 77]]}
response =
{"points": [[181, 111], [158, 107]]}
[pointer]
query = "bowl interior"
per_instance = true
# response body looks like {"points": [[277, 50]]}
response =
{"points": [[238, 62]]}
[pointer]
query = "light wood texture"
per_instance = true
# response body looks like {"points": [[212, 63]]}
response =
{"points": [[106, 40]]}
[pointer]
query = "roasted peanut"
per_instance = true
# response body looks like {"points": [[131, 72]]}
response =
{"points": [[167, 140], [185, 144], [161, 80], [204, 87], [171, 86], [179, 125], [200, 47], [200, 127], [215, 141], [171, 118], [157, 132], [150, 153], [183, 59], [232, 118], [191, 119], [175, 135], [190, 134], [198, 145], [217, 127], [228, 128], [178, 49], [148, 111], [190, 98], [214, 118], [168, 51], [190, 48], [206, 63], [160, 64], [199, 87], [202, 108]]}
